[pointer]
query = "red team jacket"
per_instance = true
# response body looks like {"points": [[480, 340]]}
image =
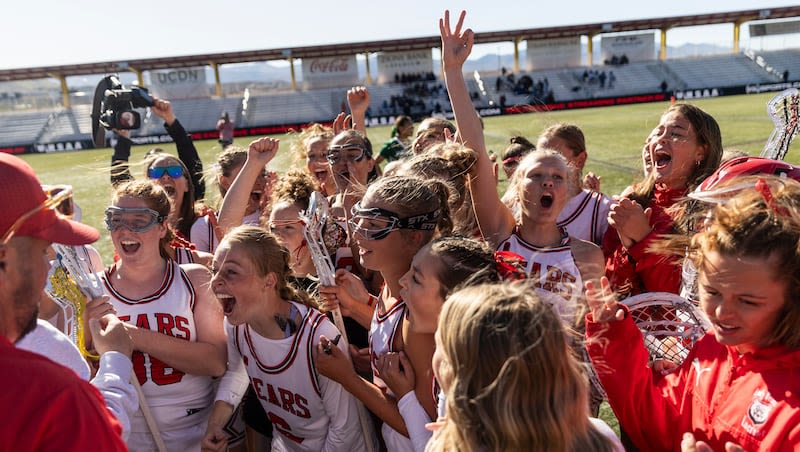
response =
{"points": [[635, 270], [46, 406], [716, 394]]}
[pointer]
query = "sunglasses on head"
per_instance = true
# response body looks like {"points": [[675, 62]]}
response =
{"points": [[173, 171]]}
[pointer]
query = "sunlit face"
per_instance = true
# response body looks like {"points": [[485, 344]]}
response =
{"points": [[257, 192], [543, 189], [379, 254], [350, 173], [285, 223], [421, 291], [676, 151], [137, 246], [647, 152], [442, 368], [317, 162], [175, 187], [25, 271], [236, 283], [741, 298]]}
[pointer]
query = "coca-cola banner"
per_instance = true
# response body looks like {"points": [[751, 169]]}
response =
{"points": [[330, 72], [185, 83], [635, 47], [553, 53], [414, 62]]}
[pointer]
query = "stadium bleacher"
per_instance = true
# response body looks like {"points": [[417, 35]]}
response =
{"points": [[282, 107]]}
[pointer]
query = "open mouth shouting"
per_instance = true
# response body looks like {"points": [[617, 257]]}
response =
{"points": [[661, 159], [546, 200], [129, 246], [228, 302], [170, 189]]}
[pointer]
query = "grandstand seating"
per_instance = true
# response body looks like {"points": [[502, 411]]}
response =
{"points": [[22, 128], [281, 107]]}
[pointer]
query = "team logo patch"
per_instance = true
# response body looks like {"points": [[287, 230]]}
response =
{"points": [[758, 412]]}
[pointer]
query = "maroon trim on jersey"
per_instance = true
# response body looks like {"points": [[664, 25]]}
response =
{"points": [[183, 255], [399, 304], [312, 367], [506, 246], [189, 287], [595, 215], [289, 358], [165, 285], [578, 210]]}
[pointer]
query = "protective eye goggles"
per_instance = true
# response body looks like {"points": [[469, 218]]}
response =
{"points": [[173, 171], [361, 219], [56, 196], [347, 152], [138, 219]]}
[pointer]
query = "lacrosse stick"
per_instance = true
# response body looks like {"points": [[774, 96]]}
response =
{"points": [[323, 236], [670, 324], [84, 280], [783, 110]]}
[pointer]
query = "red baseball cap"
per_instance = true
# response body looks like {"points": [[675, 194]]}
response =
{"points": [[21, 193]]}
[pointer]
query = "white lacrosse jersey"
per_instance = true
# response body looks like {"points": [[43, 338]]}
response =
{"points": [[585, 216], [551, 271], [179, 402], [386, 335], [308, 411]]}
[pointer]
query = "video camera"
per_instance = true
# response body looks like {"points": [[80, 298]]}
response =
{"points": [[113, 107]]}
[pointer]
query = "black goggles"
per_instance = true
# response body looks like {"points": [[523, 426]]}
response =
{"points": [[376, 223]]}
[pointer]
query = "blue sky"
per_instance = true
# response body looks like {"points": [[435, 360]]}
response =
{"points": [[54, 32]]}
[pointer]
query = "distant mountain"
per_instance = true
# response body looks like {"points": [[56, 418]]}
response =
{"points": [[278, 74]]}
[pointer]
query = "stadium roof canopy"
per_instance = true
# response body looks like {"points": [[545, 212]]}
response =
{"points": [[737, 17]]}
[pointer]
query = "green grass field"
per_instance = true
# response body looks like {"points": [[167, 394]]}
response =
{"points": [[614, 137]]}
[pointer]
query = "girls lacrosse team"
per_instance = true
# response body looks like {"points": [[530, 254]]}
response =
{"points": [[481, 313]]}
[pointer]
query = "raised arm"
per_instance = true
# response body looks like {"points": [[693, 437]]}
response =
{"points": [[259, 154], [187, 153], [120, 171], [495, 219], [358, 100]]}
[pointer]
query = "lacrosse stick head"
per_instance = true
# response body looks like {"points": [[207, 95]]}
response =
{"points": [[783, 110], [670, 324], [322, 225]]}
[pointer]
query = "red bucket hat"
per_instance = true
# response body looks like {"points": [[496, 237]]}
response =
{"points": [[21, 194]]}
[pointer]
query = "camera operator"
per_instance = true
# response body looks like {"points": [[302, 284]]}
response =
{"points": [[187, 152]]}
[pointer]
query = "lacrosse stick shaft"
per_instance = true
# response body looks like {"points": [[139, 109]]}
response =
{"points": [[326, 272], [148, 416]]}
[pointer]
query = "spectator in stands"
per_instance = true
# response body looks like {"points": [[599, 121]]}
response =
{"points": [[397, 147], [786, 75], [611, 79], [225, 128], [663, 86]]}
